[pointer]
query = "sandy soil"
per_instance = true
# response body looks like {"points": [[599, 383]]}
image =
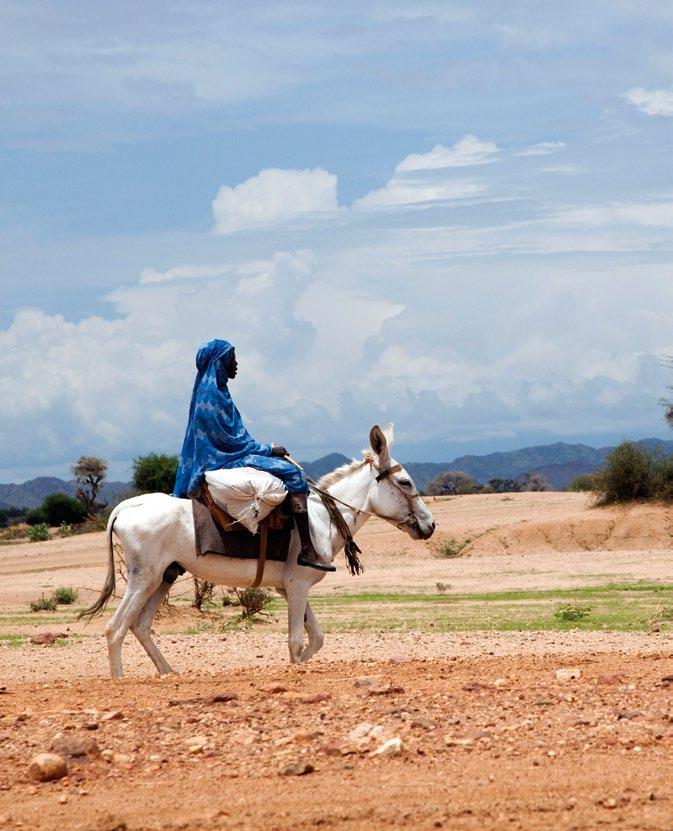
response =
{"points": [[489, 737], [517, 541]]}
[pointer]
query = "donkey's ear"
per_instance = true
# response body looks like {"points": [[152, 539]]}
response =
{"points": [[389, 433], [377, 440]]}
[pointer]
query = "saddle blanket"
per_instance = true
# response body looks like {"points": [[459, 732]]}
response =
{"points": [[211, 539]]}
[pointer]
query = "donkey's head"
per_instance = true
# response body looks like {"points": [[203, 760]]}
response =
{"points": [[393, 495]]}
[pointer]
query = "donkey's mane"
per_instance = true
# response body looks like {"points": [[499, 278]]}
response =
{"points": [[341, 472]]}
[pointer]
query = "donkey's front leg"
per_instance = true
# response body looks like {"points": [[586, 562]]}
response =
{"points": [[316, 638], [297, 597]]}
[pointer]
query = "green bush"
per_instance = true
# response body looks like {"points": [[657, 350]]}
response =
{"points": [[66, 530], [154, 473], [662, 477], [585, 482], [59, 508], [65, 595], [572, 611], [43, 604], [627, 475], [38, 533], [36, 516]]}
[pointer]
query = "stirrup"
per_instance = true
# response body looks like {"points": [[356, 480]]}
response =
{"points": [[302, 561]]}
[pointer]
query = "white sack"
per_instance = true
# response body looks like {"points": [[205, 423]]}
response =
{"points": [[246, 493]]}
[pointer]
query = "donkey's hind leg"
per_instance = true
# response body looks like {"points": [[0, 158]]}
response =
{"points": [[142, 628], [316, 638], [137, 595]]}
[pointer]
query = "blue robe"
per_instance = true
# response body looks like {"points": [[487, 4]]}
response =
{"points": [[216, 437]]}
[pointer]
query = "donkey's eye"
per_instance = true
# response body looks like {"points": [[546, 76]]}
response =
{"points": [[405, 483]]}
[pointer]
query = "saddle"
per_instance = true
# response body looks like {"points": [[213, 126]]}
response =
{"points": [[216, 532]]}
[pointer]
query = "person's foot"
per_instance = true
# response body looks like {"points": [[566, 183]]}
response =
{"points": [[308, 557]]}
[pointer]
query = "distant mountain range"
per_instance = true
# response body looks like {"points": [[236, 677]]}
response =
{"points": [[559, 463]]}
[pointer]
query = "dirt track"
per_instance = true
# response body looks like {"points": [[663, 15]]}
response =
{"points": [[486, 743]]}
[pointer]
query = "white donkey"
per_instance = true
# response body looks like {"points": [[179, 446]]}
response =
{"points": [[157, 530]]}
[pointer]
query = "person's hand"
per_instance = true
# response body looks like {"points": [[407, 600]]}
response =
{"points": [[279, 451]]}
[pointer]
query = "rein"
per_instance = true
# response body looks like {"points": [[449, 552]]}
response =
{"points": [[351, 548]]}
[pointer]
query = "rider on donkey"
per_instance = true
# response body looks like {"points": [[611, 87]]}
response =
{"points": [[216, 438]]}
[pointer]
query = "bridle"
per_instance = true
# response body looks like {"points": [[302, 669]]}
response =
{"points": [[410, 519]]}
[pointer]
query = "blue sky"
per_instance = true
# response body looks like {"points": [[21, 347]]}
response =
{"points": [[455, 216]]}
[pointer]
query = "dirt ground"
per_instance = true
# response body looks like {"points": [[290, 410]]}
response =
{"points": [[468, 743], [462, 730]]}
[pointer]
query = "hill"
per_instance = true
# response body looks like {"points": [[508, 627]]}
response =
{"points": [[559, 463]]}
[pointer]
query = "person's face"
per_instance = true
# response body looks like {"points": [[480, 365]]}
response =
{"points": [[233, 366]]}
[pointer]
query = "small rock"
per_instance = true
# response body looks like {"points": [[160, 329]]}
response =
{"points": [[196, 744], [74, 746], [45, 767], [367, 681], [121, 758], [47, 638], [610, 803], [385, 689], [112, 715], [609, 680], [458, 741], [91, 725], [220, 698], [628, 715], [295, 769], [568, 673], [273, 689], [392, 747], [315, 698]]}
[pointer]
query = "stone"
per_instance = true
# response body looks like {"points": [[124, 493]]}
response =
{"points": [[367, 681], [47, 638], [568, 673], [196, 744], [121, 759], [75, 746], [295, 769], [392, 747], [273, 689], [385, 689], [315, 698], [46, 767], [112, 715], [609, 680]]}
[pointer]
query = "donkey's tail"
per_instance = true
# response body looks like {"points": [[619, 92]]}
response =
{"points": [[109, 586]]}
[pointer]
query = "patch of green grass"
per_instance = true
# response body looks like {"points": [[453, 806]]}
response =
{"points": [[13, 640]]}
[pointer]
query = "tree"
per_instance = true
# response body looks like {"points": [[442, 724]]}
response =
{"points": [[154, 473], [534, 482], [89, 471], [452, 483], [505, 485], [59, 507]]}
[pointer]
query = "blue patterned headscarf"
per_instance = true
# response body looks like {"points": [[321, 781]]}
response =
{"points": [[215, 436]]}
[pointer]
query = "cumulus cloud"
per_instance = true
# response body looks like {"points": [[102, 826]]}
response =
{"points": [[468, 151], [274, 195], [459, 323], [652, 102]]}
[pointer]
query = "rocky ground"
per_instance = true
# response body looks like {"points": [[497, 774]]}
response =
{"points": [[421, 729], [515, 741]]}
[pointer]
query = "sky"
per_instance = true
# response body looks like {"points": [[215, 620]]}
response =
{"points": [[456, 216]]}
